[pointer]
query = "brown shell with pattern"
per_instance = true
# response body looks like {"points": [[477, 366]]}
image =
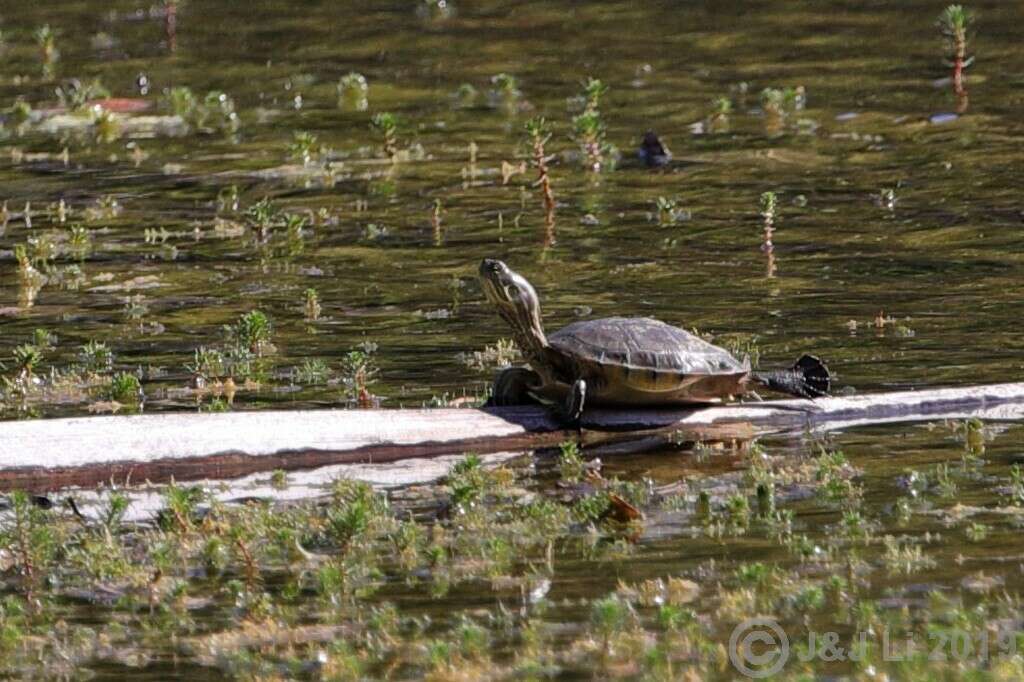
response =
{"points": [[643, 361]]}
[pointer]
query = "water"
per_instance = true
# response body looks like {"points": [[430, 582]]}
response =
{"points": [[939, 265]]}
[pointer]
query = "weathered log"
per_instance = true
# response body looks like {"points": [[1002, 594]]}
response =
{"points": [[51, 454]]}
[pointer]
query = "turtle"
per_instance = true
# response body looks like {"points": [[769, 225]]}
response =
{"points": [[623, 361]]}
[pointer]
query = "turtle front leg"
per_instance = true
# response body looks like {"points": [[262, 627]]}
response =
{"points": [[572, 411], [513, 386]]}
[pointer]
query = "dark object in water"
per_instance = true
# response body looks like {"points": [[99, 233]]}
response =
{"points": [[652, 152]]}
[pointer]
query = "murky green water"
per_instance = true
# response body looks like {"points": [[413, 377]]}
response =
{"points": [[169, 257]]}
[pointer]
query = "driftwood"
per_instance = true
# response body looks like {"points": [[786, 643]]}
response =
{"points": [[46, 455]]}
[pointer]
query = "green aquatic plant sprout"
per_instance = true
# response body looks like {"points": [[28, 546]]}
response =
{"points": [[312, 371], [251, 332], [96, 357], [76, 95], [105, 125], [182, 102], [27, 357], [769, 208], [571, 466], [359, 372], [779, 103], [32, 543], [44, 339], [385, 124], [125, 388], [305, 147], [46, 40], [312, 308], [721, 107], [589, 128], [504, 93], [220, 107], [19, 115], [953, 24], [79, 241], [667, 210], [353, 91], [216, 111]]}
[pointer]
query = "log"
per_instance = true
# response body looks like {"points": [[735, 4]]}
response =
{"points": [[46, 455]]}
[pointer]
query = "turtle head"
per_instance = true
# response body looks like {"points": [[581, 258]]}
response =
{"points": [[516, 302]]}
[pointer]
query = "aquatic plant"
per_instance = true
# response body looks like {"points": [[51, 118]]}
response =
{"points": [[312, 371], [385, 124], [46, 39], [571, 466], [887, 198], [953, 24], [434, 10], [505, 92], [769, 207], [96, 357], [467, 481], [250, 332], [312, 308], [33, 544], [207, 363], [465, 95], [79, 241], [216, 111], [304, 147], [537, 130], [588, 126], [359, 372], [26, 358], [721, 107], [783, 101], [125, 388], [668, 211], [182, 102], [503, 353], [353, 91], [75, 95], [19, 114], [768, 214], [44, 339], [435, 221], [609, 617], [220, 107], [105, 125], [228, 200]]}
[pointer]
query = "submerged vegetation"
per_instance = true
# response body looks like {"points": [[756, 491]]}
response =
{"points": [[352, 583]]}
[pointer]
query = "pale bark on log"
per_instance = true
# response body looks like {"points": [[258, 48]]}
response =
{"points": [[51, 454]]}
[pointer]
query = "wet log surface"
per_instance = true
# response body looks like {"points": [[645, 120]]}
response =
{"points": [[51, 454]]}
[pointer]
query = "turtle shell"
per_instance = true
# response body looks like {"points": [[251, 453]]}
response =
{"points": [[642, 360]]}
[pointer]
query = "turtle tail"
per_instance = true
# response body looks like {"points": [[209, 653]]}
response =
{"points": [[808, 378]]}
